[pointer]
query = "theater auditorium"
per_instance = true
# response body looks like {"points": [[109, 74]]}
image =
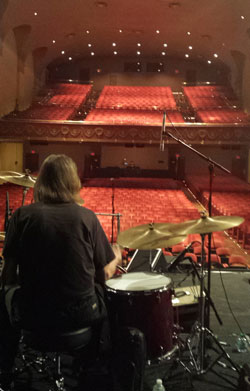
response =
{"points": [[151, 100]]}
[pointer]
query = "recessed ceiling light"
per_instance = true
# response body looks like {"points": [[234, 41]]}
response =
{"points": [[35, 13], [120, 30], [188, 33], [216, 55], [209, 61], [92, 53], [70, 58], [190, 47], [63, 52], [163, 53], [53, 41], [89, 45], [101, 4], [158, 70], [113, 44], [242, 17], [165, 45], [138, 53], [138, 44], [174, 4], [115, 53], [87, 31], [161, 64], [138, 63], [186, 55], [98, 70], [157, 31]]}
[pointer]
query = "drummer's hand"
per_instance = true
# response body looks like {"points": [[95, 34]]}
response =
{"points": [[110, 268], [118, 253]]}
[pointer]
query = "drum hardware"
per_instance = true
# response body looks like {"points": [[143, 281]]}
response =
{"points": [[201, 336]]}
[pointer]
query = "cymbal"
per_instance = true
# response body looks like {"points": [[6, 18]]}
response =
{"points": [[21, 179], [149, 236], [206, 225], [2, 236]]}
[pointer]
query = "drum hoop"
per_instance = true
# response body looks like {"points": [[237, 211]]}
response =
{"points": [[137, 292]]}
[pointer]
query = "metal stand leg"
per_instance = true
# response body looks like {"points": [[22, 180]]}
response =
{"points": [[202, 339]]}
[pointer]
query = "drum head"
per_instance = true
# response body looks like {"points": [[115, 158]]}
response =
{"points": [[140, 281]]}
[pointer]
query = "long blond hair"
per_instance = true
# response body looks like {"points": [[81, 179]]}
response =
{"points": [[58, 180]]}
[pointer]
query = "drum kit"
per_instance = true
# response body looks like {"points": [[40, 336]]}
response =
{"points": [[133, 295], [143, 300]]}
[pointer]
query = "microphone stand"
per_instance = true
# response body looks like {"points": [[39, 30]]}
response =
{"points": [[8, 213], [211, 166], [201, 331], [113, 210]]}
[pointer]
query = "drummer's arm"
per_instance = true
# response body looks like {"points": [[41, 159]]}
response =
{"points": [[110, 268]]}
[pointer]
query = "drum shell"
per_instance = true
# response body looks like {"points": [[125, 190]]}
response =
{"points": [[149, 311]]}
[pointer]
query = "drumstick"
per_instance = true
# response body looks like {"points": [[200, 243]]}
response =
{"points": [[121, 269]]}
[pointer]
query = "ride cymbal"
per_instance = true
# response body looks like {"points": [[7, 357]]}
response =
{"points": [[149, 236], [206, 224], [21, 179]]}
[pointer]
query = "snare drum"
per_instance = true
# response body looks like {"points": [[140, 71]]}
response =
{"points": [[143, 301]]}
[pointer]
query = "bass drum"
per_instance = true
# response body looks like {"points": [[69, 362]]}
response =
{"points": [[143, 301]]}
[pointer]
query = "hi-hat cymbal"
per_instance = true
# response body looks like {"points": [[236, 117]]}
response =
{"points": [[206, 225], [21, 179], [149, 237]]}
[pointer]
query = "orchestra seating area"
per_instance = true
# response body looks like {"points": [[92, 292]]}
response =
{"points": [[140, 201], [132, 117], [230, 197]]}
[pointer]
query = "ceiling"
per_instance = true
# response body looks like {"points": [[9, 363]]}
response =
{"points": [[204, 30]]}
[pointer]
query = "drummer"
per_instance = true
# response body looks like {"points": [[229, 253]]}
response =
{"points": [[63, 257]]}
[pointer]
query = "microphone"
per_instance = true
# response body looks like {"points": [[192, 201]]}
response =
{"points": [[178, 258]]}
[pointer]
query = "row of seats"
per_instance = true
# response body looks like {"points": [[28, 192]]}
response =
{"points": [[209, 91], [227, 183], [67, 100], [70, 88], [41, 112], [130, 97], [222, 116], [132, 117]]}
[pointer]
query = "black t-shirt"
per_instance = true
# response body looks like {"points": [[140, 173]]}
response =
{"points": [[59, 249]]}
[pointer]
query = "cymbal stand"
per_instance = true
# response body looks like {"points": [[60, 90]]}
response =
{"points": [[25, 191], [201, 337]]}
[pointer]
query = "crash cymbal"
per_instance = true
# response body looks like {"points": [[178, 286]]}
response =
{"points": [[206, 225], [149, 236], [21, 179]]}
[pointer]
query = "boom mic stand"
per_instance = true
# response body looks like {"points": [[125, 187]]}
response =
{"points": [[211, 165]]}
